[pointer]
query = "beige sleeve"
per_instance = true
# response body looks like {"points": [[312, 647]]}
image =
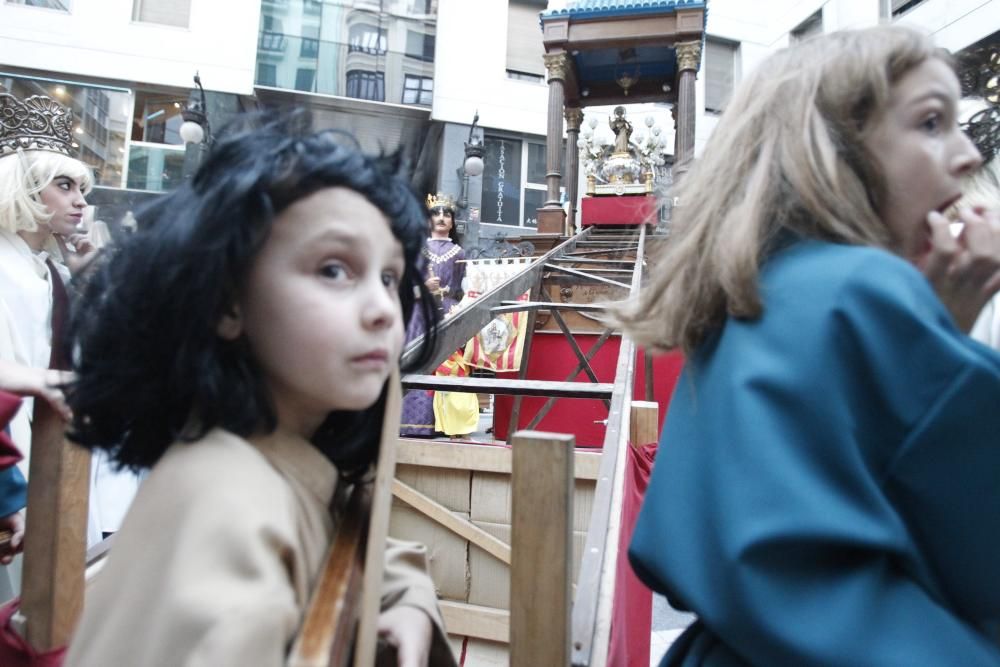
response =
{"points": [[406, 582]]}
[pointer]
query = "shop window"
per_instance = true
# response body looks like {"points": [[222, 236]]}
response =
{"points": [[502, 181], [164, 12], [418, 90], [366, 85]]}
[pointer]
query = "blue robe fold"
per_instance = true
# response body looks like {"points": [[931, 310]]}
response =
{"points": [[827, 488]]}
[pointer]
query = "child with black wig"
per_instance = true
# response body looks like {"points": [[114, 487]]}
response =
{"points": [[239, 344]]}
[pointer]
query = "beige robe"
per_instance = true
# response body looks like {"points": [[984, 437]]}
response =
{"points": [[215, 559]]}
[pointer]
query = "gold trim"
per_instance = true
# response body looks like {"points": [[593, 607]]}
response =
{"points": [[557, 65], [688, 55]]}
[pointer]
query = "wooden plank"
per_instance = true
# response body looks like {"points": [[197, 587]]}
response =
{"points": [[644, 423], [473, 620], [328, 625], [378, 527], [542, 549], [56, 545], [484, 458], [442, 515], [511, 387]]}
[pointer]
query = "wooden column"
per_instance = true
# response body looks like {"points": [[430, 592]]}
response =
{"points": [[688, 60], [541, 567], [551, 217], [574, 118]]}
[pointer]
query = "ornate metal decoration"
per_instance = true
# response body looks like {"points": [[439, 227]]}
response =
{"points": [[688, 55], [983, 127], [557, 65], [498, 247], [38, 124]]}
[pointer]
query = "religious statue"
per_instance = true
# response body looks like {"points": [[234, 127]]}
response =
{"points": [[622, 129]]}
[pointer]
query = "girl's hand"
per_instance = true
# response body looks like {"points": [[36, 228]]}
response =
{"points": [[433, 284], [78, 251], [964, 270], [38, 382], [409, 630], [12, 529]]}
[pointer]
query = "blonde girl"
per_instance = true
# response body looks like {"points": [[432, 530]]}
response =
{"points": [[825, 490]]}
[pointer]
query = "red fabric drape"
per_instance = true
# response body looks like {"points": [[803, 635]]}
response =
{"points": [[9, 454], [632, 610], [15, 652]]}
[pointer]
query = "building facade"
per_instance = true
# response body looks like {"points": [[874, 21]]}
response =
{"points": [[398, 74]]}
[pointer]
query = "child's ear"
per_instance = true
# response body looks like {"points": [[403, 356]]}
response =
{"points": [[230, 325]]}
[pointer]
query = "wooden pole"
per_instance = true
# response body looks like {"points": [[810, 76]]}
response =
{"points": [[541, 568], [55, 544], [644, 424]]}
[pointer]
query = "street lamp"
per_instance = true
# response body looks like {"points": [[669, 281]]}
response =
{"points": [[195, 130], [473, 165]]}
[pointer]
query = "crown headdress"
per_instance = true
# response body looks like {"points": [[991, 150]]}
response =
{"points": [[37, 124], [441, 200]]}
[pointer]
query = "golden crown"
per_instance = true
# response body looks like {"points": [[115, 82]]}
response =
{"points": [[440, 200], [37, 124]]}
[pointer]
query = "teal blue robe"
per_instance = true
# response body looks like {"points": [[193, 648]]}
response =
{"points": [[827, 487]]}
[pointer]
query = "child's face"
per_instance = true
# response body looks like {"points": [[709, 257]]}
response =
{"points": [[64, 200], [922, 152], [321, 307]]}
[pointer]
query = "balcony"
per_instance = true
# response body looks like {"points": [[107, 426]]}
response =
{"points": [[362, 71]]}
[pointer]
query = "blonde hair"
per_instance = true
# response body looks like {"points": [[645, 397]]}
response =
{"points": [[23, 175], [789, 155]]}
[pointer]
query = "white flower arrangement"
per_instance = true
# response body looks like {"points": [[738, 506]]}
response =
{"points": [[649, 148]]}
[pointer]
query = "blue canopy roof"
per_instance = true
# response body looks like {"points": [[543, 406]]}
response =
{"points": [[583, 9]]}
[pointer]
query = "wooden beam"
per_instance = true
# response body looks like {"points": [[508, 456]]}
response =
{"points": [[520, 306], [477, 621], [644, 423], [541, 570], [481, 458], [585, 276], [438, 512], [55, 545], [378, 526], [508, 387]]}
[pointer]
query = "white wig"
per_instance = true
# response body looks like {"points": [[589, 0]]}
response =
{"points": [[23, 175]]}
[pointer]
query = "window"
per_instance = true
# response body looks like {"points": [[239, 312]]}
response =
{"points": [[502, 181], [304, 79], [101, 115], [366, 85], [810, 27], [367, 39], [524, 37], [158, 118], [418, 90], [720, 69], [60, 5], [310, 42], [274, 42], [420, 45], [903, 6], [267, 75], [314, 7], [164, 12]]}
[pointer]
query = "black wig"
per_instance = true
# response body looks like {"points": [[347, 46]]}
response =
{"points": [[150, 367]]}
